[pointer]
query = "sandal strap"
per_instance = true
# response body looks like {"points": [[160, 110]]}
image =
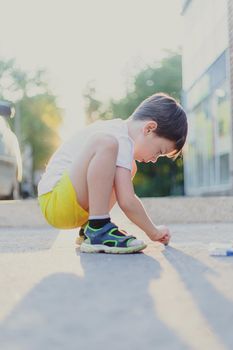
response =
{"points": [[106, 235]]}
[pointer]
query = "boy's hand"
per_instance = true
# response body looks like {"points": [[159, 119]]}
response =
{"points": [[163, 235]]}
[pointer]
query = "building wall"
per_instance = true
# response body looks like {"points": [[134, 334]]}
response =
{"points": [[206, 97], [230, 36]]}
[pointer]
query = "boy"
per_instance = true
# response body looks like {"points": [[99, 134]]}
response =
{"points": [[88, 174]]}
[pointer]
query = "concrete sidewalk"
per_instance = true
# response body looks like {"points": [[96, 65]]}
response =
{"points": [[54, 297], [26, 213]]}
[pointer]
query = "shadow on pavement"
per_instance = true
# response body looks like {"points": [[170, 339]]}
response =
{"points": [[108, 308], [215, 308]]}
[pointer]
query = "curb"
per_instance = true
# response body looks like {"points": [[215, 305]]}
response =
{"points": [[165, 210], [21, 213]]}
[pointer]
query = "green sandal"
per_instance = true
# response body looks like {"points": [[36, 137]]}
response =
{"points": [[108, 239]]}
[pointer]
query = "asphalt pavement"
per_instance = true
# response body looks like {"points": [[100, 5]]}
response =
{"points": [[54, 297]]}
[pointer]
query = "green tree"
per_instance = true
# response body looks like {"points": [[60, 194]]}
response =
{"points": [[95, 109]]}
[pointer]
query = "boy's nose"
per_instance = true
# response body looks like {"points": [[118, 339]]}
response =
{"points": [[154, 160]]}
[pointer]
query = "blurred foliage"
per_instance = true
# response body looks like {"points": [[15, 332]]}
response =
{"points": [[164, 178], [40, 119], [36, 107], [94, 108]]}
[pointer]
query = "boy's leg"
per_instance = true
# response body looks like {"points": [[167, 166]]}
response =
{"points": [[93, 176], [100, 177], [113, 201]]}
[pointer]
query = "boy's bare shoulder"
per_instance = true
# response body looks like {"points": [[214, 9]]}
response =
{"points": [[97, 140], [102, 137]]}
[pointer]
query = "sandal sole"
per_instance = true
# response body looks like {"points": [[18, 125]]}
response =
{"points": [[100, 248]]}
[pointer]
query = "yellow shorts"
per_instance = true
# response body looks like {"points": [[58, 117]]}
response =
{"points": [[60, 206]]}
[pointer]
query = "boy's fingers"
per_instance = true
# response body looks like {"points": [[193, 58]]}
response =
{"points": [[165, 239], [167, 236]]}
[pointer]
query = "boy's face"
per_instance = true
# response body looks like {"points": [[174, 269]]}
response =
{"points": [[149, 146]]}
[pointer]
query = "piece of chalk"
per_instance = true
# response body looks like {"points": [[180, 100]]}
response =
{"points": [[221, 249]]}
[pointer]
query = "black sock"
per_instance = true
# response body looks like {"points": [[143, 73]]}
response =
{"points": [[98, 223]]}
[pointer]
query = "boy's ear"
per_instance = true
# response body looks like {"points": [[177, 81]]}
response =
{"points": [[149, 127]]}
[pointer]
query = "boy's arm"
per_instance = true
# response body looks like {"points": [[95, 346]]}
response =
{"points": [[134, 169], [132, 206]]}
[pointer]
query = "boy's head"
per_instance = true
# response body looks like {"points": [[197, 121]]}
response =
{"points": [[163, 128]]}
